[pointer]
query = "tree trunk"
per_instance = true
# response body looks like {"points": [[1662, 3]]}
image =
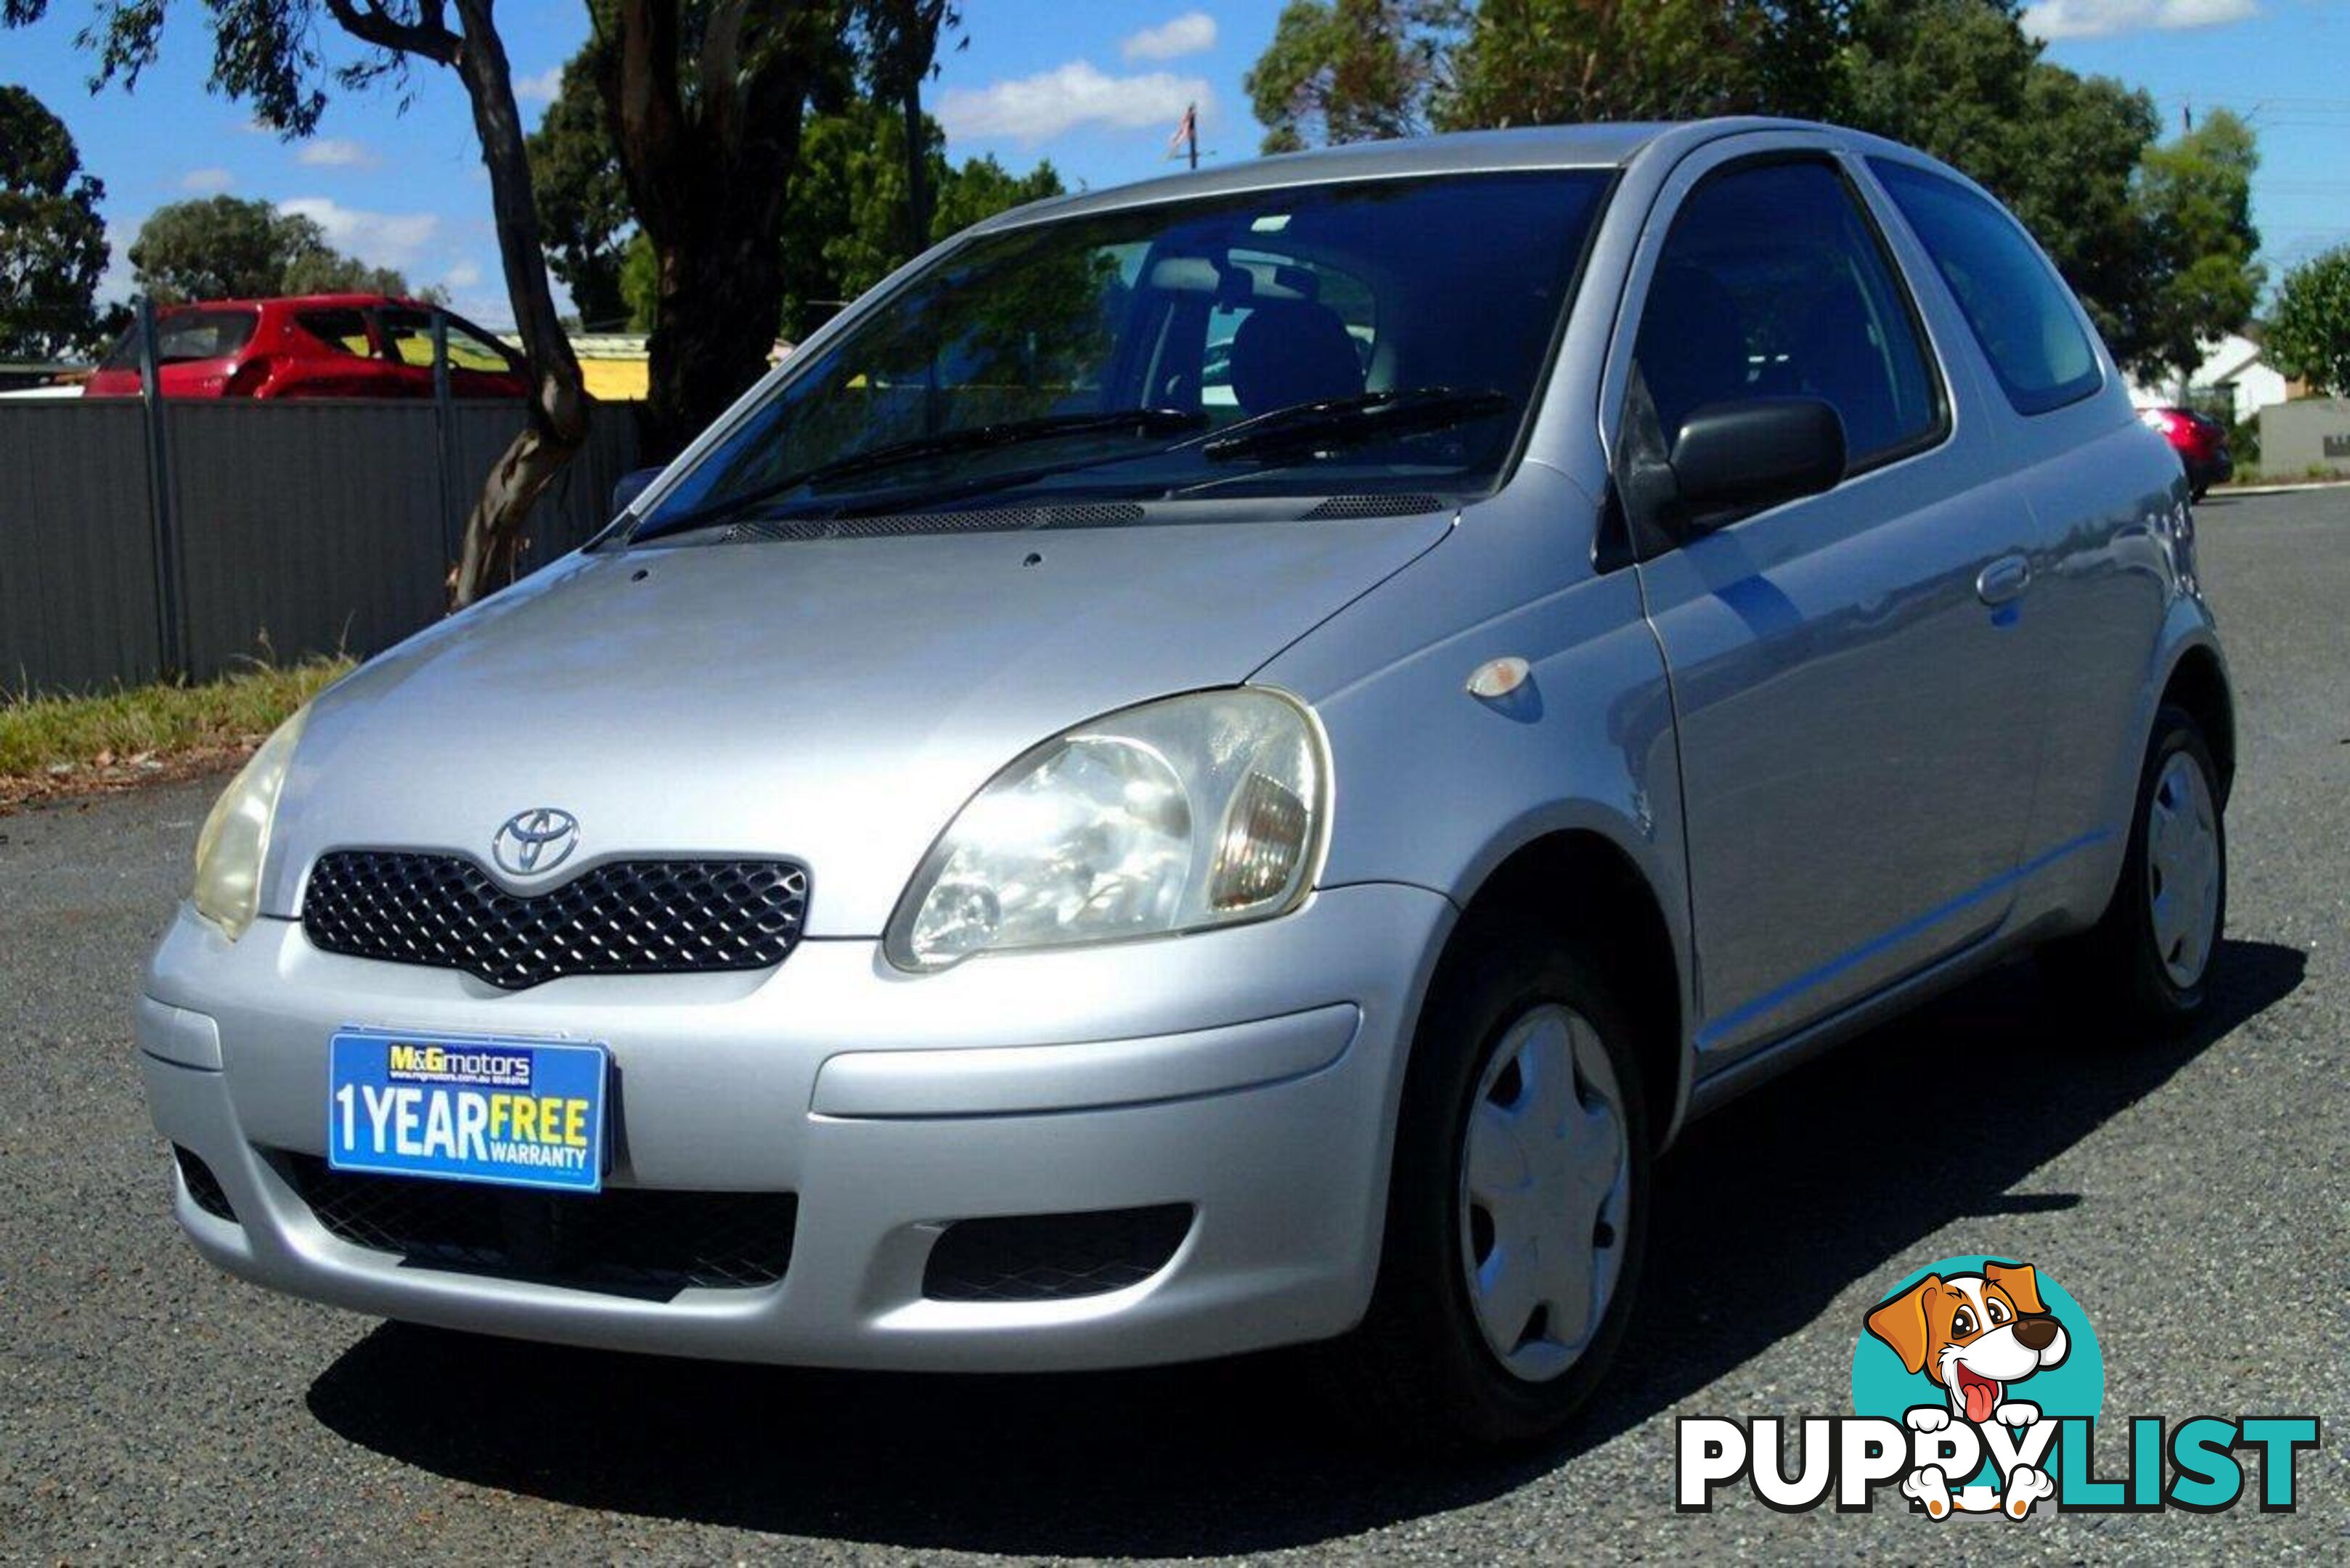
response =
{"points": [[558, 404], [918, 172], [707, 170], [721, 302]]}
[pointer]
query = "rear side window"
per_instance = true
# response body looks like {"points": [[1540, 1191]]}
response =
{"points": [[1771, 283], [184, 335], [409, 336], [2018, 307], [341, 328]]}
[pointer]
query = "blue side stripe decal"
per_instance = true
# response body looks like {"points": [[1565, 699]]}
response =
{"points": [[1779, 996]]}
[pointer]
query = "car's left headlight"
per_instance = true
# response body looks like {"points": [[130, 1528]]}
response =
{"points": [[235, 837], [1197, 811]]}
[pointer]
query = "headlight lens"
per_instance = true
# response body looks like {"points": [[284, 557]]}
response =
{"points": [[1199, 810], [235, 836]]}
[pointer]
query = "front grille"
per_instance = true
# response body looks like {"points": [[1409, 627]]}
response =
{"points": [[204, 1187], [622, 1240], [625, 917], [1052, 1257]]}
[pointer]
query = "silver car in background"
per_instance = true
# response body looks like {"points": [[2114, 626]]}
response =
{"points": [[1219, 764]]}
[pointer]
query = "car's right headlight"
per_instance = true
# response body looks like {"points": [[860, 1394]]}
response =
{"points": [[1197, 811], [235, 837]]}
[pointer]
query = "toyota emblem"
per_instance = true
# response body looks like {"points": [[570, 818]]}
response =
{"points": [[536, 840]]}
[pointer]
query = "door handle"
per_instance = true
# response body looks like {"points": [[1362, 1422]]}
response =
{"points": [[2003, 580]]}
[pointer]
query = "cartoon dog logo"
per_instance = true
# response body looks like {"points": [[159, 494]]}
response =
{"points": [[1975, 1336]]}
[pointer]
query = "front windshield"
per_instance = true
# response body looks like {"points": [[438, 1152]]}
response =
{"points": [[1111, 355]]}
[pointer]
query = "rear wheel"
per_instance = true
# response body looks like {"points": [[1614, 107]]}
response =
{"points": [[2151, 952], [1518, 1211]]}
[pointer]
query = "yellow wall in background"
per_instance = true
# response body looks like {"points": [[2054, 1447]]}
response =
{"points": [[616, 380]]}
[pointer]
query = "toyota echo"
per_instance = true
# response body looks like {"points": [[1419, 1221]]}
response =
{"points": [[1219, 764]]}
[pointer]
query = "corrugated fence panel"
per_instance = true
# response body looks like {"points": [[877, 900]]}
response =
{"points": [[305, 527], [77, 547]]}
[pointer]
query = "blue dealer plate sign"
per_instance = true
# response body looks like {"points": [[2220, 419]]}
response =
{"points": [[517, 1113]]}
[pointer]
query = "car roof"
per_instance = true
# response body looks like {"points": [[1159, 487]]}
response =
{"points": [[1604, 146], [299, 301]]}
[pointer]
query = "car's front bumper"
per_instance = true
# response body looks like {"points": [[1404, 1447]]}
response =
{"points": [[1251, 1074]]}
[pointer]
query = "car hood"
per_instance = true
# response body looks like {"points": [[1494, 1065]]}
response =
{"points": [[836, 702]]}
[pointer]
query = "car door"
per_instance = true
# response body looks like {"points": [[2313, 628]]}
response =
{"points": [[1858, 750], [2102, 495]]}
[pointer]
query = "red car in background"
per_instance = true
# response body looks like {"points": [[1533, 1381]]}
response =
{"points": [[309, 345], [2200, 442]]}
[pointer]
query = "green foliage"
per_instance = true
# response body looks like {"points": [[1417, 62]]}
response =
{"points": [[981, 188], [1357, 71], [2309, 329], [1544, 62], [1352, 70], [52, 240], [582, 198], [639, 281], [2195, 200], [844, 225], [40, 733], [844, 219], [218, 247]]}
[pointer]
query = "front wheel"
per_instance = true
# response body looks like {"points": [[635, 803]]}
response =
{"points": [[2151, 952], [1518, 1211]]}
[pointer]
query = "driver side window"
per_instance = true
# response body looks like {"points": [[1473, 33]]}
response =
{"points": [[1771, 283]]}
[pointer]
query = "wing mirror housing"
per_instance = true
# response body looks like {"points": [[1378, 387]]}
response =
{"points": [[1736, 458]]}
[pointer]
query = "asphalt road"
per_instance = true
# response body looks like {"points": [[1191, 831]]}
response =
{"points": [[2194, 1197]]}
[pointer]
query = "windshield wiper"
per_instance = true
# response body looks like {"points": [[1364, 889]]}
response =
{"points": [[974, 438], [1351, 421]]}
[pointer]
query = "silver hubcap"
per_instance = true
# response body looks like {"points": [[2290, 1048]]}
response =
{"points": [[1545, 1181], [2182, 870]]}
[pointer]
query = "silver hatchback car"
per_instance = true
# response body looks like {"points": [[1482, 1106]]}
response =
{"points": [[1221, 765]]}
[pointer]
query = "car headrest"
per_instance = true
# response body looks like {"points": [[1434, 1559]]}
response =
{"points": [[1293, 351]]}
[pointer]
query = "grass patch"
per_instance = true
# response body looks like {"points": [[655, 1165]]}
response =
{"points": [[138, 725]]}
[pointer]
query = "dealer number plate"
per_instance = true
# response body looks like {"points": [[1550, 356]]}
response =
{"points": [[517, 1113]]}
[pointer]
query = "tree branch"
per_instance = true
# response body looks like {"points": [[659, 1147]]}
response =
{"points": [[368, 22]]}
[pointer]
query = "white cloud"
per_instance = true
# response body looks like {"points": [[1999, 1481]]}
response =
{"points": [[2096, 18], [540, 89], [1186, 35], [462, 275], [207, 182], [119, 283], [1036, 108], [336, 153], [382, 239]]}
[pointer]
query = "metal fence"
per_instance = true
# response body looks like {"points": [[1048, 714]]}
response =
{"points": [[295, 528]]}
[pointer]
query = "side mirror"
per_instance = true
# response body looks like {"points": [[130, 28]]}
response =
{"points": [[1747, 455], [631, 486]]}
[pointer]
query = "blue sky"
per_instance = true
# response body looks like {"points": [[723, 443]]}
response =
{"points": [[1097, 86]]}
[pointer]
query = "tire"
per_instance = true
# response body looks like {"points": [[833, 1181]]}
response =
{"points": [[1422, 1365], [2142, 957]]}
